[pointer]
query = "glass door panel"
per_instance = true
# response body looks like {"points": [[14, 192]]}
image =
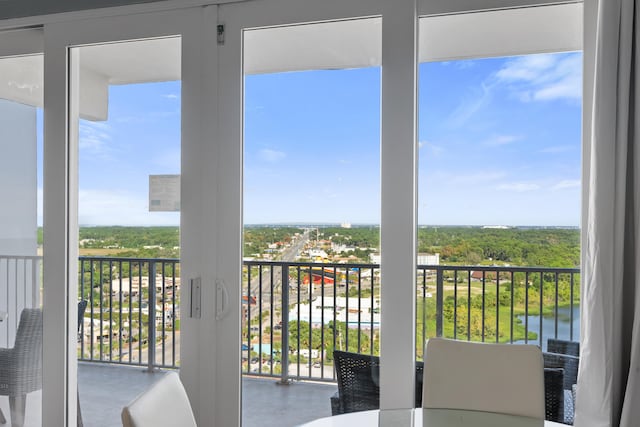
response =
{"points": [[311, 276], [499, 175], [21, 236], [129, 134]]}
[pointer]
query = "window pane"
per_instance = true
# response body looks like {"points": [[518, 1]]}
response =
{"points": [[311, 210], [129, 214], [499, 181]]}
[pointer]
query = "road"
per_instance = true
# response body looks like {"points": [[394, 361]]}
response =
{"points": [[288, 255]]}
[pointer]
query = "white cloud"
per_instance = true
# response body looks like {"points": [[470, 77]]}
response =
{"points": [[544, 77], [271, 156], [557, 149], [502, 140], [464, 64], [478, 177], [119, 207], [526, 68], [541, 77], [431, 147], [519, 187], [473, 103], [94, 136], [171, 96], [329, 193], [148, 117], [567, 183]]}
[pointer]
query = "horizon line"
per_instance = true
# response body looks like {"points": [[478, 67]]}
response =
{"points": [[340, 225]]}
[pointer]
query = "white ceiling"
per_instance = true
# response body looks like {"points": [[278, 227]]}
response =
{"points": [[153, 60], [331, 45]]}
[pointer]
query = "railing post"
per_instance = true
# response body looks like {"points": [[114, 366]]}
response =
{"points": [[439, 300], [151, 341], [284, 359]]}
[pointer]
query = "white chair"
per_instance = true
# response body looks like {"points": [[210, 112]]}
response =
{"points": [[501, 378], [165, 404]]}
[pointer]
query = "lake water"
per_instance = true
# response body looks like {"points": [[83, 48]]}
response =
{"points": [[548, 326]]}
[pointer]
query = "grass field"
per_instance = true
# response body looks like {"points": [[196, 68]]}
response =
{"points": [[99, 252]]}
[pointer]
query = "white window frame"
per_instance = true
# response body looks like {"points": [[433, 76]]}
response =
{"points": [[398, 146], [212, 158]]}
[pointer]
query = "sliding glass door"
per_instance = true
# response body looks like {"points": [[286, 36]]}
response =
{"points": [[116, 113], [499, 174], [303, 94], [311, 208]]}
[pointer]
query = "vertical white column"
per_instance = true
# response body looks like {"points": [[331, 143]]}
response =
{"points": [[18, 223], [399, 209], [198, 338], [60, 254], [211, 218], [228, 214]]}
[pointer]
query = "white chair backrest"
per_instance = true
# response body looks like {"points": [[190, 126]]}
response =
{"points": [[501, 378], [165, 404]]}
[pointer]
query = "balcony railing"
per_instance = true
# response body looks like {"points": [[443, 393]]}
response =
{"points": [[311, 308], [305, 309], [133, 311]]}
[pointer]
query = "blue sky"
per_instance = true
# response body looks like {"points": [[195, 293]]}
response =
{"points": [[140, 138], [499, 143]]}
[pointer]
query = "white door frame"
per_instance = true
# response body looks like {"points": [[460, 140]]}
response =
{"points": [[398, 145], [61, 191]]}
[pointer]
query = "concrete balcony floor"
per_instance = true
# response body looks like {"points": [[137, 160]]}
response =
{"points": [[105, 389]]}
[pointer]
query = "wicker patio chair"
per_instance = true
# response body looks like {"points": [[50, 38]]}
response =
{"points": [[21, 366], [358, 383], [554, 394], [572, 348], [570, 365]]}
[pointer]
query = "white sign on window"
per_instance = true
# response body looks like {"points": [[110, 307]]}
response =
{"points": [[164, 193]]}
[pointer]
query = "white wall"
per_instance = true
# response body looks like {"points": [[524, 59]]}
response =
{"points": [[18, 213]]}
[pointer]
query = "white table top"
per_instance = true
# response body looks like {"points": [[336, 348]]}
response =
{"points": [[428, 418]]}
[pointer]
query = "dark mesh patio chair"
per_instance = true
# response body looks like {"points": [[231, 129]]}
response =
{"points": [[358, 378], [554, 394], [358, 382], [572, 348], [21, 366], [570, 366]]}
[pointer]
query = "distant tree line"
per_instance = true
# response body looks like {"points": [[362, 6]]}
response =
{"points": [[129, 237], [536, 247], [545, 247]]}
